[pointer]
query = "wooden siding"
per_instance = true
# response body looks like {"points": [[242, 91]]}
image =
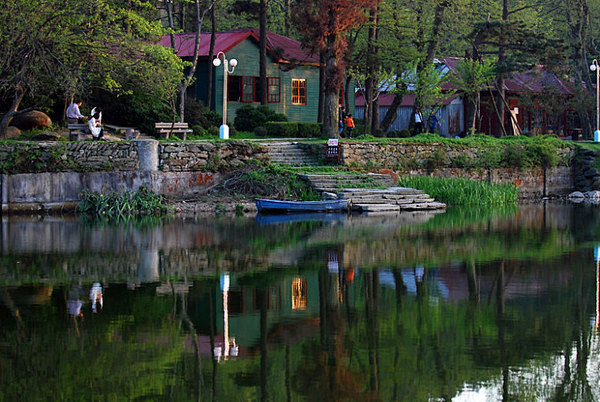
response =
{"points": [[247, 55]]}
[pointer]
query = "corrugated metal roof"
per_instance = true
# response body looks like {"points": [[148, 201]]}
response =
{"points": [[291, 50], [386, 99]]}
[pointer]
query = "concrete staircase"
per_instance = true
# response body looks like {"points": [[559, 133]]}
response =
{"points": [[290, 153], [372, 192]]}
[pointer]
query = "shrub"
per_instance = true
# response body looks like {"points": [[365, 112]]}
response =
{"points": [[281, 129], [248, 117], [309, 130], [260, 131], [196, 114]]}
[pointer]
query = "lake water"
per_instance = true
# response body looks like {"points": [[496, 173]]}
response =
{"points": [[465, 305]]}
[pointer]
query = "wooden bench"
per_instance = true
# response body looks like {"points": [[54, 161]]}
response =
{"points": [[180, 129], [78, 132]]}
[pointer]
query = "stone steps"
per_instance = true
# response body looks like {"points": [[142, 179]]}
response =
{"points": [[335, 183], [372, 200], [290, 153]]}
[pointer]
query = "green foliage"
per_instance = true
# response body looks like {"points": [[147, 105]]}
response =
{"points": [[248, 117], [473, 76], [272, 181], [73, 48], [260, 131], [458, 191], [281, 129], [118, 205], [405, 133], [196, 114], [29, 158], [309, 130]]}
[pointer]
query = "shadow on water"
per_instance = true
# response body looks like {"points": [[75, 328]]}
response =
{"points": [[469, 304]]}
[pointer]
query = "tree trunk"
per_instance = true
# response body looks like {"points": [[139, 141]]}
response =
{"points": [[501, 92], [7, 118], [375, 53], [262, 78], [211, 54], [331, 110], [321, 111], [432, 47], [368, 119], [391, 114], [288, 13]]}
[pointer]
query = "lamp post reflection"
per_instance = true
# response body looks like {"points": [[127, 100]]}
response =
{"points": [[229, 347], [597, 258]]}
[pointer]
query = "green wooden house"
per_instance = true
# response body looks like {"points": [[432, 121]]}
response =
{"points": [[292, 73]]}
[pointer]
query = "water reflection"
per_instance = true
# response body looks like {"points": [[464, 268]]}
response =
{"points": [[489, 305]]}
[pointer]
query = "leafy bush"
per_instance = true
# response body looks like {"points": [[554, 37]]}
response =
{"points": [[196, 114], [281, 129], [309, 130], [260, 131], [249, 117]]}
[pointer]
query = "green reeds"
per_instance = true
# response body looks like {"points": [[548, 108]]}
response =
{"points": [[119, 205], [458, 191]]}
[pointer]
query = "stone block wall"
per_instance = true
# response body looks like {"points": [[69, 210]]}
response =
{"points": [[194, 156]]}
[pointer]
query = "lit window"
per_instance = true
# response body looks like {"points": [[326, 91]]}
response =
{"points": [[298, 92], [274, 84]]}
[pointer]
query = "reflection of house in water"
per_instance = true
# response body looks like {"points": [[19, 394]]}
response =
{"points": [[450, 281], [291, 302]]}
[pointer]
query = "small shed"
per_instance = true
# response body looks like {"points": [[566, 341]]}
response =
{"points": [[450, 116]]}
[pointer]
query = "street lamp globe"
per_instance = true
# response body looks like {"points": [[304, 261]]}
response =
{"points": [[216, 62], [233, 63]]}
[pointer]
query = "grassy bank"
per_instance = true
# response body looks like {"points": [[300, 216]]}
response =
{"points": [[458, 191]]}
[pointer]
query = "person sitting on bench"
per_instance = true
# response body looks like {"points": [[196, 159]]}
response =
{"points": [[95, 127]]}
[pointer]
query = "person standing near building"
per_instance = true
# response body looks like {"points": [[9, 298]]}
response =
{"points": [[418, 122], [349, 125], [73, 113]]}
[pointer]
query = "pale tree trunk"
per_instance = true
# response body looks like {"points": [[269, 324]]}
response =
{"points": [[19, 95]]}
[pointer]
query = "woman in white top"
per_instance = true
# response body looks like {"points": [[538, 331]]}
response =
{"points": [[95, 127]]}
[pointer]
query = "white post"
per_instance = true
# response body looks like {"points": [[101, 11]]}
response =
{"points": [[596, 68], [224, 129]]}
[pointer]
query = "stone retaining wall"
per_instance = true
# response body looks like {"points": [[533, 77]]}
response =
{"points": [[84, 156], [50, 175]]}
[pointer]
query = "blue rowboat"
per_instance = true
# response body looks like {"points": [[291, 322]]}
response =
{"points": [[265, 205]]}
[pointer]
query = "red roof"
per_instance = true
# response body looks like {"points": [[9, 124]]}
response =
{"points": [[292, 50]]}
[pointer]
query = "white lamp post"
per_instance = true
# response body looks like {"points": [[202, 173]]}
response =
{"points": [[595, 67], [224, 129]]}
